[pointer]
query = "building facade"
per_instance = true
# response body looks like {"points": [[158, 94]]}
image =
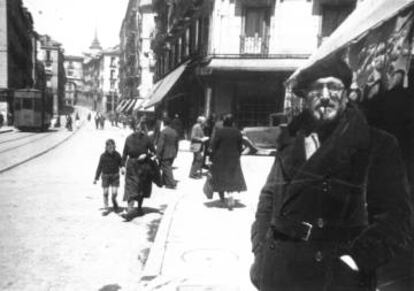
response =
{"points": [[109, 80], [17, 52], [74, 79], [129, 74], [233, 56], [137, 63], [101, 77], [52, 56]]}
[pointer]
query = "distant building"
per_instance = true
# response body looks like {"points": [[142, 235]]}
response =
{"points": [[17, 52], [74, 76], [233, 56], [129, 75], [52, 56], [100, 76], [109, 80], [137, 63]]}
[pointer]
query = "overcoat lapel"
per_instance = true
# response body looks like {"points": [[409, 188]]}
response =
{"points": [[351, 134]]}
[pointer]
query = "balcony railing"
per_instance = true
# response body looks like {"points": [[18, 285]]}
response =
{"points": [[254, 44]]}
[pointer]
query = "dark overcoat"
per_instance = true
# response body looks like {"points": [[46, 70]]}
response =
{"points": [[355, 180], [139, 174], [226, 170], [167, 147]]}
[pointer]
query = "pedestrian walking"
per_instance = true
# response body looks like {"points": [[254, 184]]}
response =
{"points": [[159, 126], [1, 119], [208, 131], [69, 122], [77, 120], [89, 117], [97, 119], [177, 125], [226, 171], [167, 149], [102, 121], [139, 171], [196, 146], [335, 206], [108, 168]]}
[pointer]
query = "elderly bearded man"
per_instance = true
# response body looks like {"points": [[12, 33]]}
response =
{"points": [[335, 205]]}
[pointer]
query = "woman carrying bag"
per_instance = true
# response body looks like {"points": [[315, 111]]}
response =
{"points": [[226, 172], [139, 169]]}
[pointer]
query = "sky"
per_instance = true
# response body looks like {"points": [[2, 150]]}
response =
{"points": [[73, 22]]}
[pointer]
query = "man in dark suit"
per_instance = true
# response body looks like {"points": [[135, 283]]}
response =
{"points": [[167, 149]]}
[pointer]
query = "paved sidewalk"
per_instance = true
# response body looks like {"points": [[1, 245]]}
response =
{"points": [[200, 244]]}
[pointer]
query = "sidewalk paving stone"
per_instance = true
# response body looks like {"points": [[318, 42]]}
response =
{"points": [[202, 245]]}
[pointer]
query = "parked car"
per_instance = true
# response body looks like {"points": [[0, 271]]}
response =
{"points": [[261, 140]]}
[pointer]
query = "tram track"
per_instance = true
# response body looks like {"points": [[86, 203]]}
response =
{"points": [[23, 144], [18, 138]]}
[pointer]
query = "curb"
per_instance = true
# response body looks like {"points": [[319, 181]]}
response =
{"points": [[154, 263], [8, 168], [6, 131]]}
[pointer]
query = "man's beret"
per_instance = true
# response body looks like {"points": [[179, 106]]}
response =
{"points": [[338, 69]]}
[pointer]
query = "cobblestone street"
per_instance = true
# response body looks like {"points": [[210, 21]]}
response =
{"points": [[53, 236]]}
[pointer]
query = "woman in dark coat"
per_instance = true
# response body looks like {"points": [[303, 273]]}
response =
{"points": [[139, 169], [227, 175]]}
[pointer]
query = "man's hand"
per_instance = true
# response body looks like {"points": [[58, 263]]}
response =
{"points": [[349, 261], [95, 181], [123, 171], [142, 157]]}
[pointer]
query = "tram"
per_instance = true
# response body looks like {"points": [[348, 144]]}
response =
{"points": [[32, 110]]}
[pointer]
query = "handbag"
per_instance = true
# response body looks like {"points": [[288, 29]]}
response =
{"points": [[156, 173], [208, 186], [195, 147]]}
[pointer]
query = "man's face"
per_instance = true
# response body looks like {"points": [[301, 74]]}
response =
{"points": [[326, 99]]}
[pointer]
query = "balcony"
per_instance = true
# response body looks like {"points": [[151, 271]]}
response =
{"points": [[254, 45]]}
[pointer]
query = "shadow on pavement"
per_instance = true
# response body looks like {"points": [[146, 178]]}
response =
{"points": [[139, 213], [220, 204], [112, 287]]}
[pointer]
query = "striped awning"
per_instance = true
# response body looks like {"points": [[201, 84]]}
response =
{"points": [[162, 87]]}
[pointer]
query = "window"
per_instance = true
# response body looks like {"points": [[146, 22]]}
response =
{"points": [[112, 84], [48, 55], [27, 103], [333, 16], [112, 61], [196, 35], [255, 31], [37, 105], [200, 33], [17, 104], [186, 43], [112, 74], [179, 50]]}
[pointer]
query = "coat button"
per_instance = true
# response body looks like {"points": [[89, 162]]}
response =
{"points": [[320, 222], [318, 256], [272, 246]]}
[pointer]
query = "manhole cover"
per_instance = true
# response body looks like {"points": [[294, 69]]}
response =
{"points": [[209, 256]]}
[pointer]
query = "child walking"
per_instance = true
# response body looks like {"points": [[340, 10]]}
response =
{"points": [[109, 165]]}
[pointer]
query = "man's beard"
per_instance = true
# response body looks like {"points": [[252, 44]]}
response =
{"points": [[325, 113]]}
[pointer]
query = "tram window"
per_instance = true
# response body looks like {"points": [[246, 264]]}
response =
{"points": [[27, 103], [37, 105], [17, 104]]}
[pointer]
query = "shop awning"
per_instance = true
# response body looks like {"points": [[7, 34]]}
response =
{"points": [[162, 87], [120, 105], [257, 65], [140, 106], [127, 102], [368, 16], [130, 106]]}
